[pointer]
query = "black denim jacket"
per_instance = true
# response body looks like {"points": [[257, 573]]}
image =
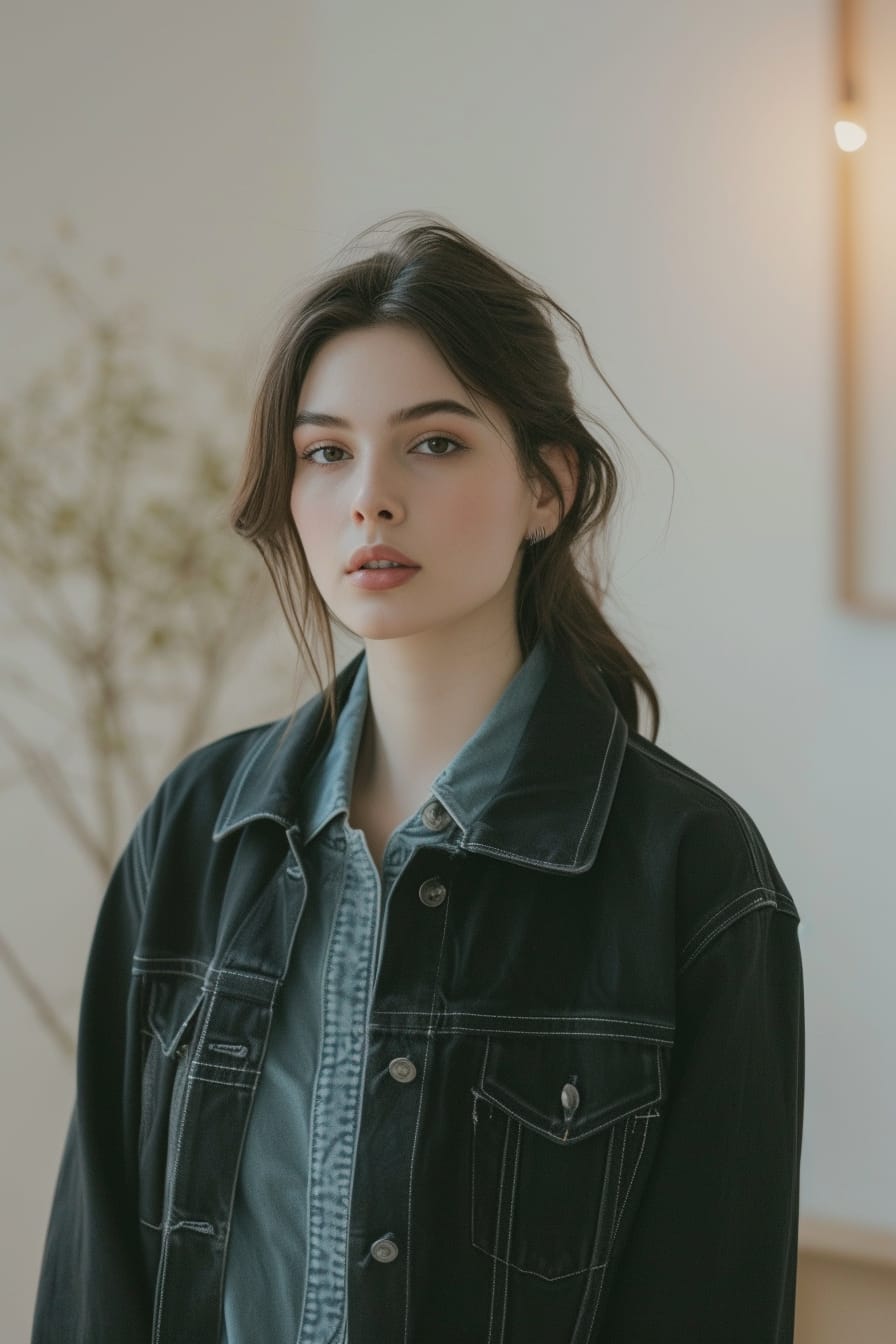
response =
{"points": [[602, 990]]}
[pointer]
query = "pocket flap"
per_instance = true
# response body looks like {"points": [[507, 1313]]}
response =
{"points": [[528, 1076], [171, 1007]]}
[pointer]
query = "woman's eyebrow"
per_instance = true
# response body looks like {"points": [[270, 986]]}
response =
{"points": [[446, 405]]}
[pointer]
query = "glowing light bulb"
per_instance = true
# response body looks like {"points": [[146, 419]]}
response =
{"points": [[849, 133]]}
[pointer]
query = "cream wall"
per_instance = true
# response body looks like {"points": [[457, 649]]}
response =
{"points": [[666, 172]]}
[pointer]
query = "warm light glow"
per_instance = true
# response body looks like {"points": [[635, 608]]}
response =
{"points": [[849, 132], [849, 135]]}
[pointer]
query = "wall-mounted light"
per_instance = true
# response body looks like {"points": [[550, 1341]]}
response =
{"points": [[865, 271], [849, 130]]}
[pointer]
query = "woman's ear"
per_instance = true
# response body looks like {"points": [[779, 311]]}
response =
{"points": [[562, 459]]}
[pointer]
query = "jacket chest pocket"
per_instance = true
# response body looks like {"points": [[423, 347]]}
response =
{"points": [[553, 1146], [169, 1013]]}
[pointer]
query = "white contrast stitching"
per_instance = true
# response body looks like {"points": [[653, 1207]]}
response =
{"points": [[219, 1082], [228, 1068], [141, 854], [171, 961], [228, 1223], [532, 1017], [491, 1308], [407, 1298], [172, 1177], [250, 761], [710, 937], [533, 1274], [748, 827], [247, 975], [473, 1182], [617, 721], [509, 1031], [613, 1225], [545, 1278], [616, 1223], [721, 910], [548, 1133], [618, 1218], [516, 1165], [625, 1131]]}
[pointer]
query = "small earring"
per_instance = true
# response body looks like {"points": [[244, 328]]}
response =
{"points": [[538, 535]]}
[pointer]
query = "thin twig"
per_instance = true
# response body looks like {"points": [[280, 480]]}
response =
{"points": [[44, 770], [38, 1000]]}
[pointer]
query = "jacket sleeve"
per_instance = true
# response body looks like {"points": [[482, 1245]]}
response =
{"points": [[91, 1286], [710, 1252]]}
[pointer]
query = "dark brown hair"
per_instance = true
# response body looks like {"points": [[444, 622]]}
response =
{"points": [[491, 325]]}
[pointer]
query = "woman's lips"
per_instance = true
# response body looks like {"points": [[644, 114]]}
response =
{"points": [[376, 579]]}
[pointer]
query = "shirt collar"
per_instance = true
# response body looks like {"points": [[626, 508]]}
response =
{"points": [[463, 787], [545, 807]]}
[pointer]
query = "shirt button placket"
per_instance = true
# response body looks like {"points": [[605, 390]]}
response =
{"points": [[432, 893]]}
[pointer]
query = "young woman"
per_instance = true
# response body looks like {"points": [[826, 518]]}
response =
{"points": [[451, 1008]]}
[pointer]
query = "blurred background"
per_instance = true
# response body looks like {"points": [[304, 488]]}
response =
{"points": [[668, 171]]}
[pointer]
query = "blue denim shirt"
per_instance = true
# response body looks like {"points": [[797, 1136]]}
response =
{"points": [[285, 1274]]}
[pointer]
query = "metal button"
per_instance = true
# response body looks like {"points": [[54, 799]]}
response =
{"points": [[432, 892], [384, 1250], [569, 1099], [435, 817], [403, 1070]]}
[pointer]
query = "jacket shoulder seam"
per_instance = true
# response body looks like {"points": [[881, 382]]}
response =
{"points": [[757, 894], [757, 899]]}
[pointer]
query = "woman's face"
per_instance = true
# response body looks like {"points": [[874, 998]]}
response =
{"points": [[442, 487]]}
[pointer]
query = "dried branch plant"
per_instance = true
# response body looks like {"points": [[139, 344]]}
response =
{"points": [[119, 566]]}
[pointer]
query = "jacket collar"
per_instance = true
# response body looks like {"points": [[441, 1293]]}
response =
{"points": [[549, 811]]}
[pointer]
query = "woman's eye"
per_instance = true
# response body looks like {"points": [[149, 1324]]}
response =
{"points": [[440, 438], [309, 454]]}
